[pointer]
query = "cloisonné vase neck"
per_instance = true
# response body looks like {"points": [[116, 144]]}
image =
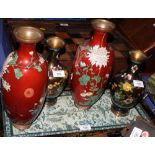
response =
{"points": [[26, 54], [55, 45], [26, 47], [53, 54], [99, 38]]}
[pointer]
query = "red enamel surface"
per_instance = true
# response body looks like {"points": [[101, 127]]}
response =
{"points": [[99, 38], [26, 91]]}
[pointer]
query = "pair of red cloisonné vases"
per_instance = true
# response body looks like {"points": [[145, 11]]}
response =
{"points": [[25, 74]]}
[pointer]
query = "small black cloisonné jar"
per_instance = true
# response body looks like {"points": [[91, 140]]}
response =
{"points": [[57, 73], [127, 88]]}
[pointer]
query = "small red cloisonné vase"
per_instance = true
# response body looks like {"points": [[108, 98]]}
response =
{"points": [[92, 66], [24, 79]]}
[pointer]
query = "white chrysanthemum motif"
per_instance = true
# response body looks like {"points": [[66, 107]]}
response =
{"points": [[98, 56], [6, 85], [41, 60], [5, 65]]}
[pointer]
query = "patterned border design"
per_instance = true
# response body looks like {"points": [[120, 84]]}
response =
{"points": [[49, 128]]}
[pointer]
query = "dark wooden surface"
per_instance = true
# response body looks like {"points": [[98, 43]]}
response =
{"points": [[139, 33]]}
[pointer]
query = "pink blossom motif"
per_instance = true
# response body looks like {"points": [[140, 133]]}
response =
{"points": [[98, 56], [145, 134], [41, 60], [29, 92]]}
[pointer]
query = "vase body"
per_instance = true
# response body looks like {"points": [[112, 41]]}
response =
{"points": [[127, 90], [57, 72], [91, 69], [24, 84]]}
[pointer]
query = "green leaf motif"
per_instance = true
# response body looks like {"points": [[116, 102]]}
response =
{"points": [[18, 73], [77, 73], [85, 69], [97, 78], [119, 96], [95, 98], [38, 68], [84, 79], [14, 59], [88, 48], [95, 89]]}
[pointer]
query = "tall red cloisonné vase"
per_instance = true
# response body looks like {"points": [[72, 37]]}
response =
{"points": [[92, 66], [24, 79]]}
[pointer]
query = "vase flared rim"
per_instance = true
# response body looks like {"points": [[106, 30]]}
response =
{"points": [[55, 42], [102, 25], [28, 34], [137, 56]]}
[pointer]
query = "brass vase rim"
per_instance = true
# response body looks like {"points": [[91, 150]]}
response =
{"points": [[28, 34], [55, 42], [137, 56], [102, 25]]}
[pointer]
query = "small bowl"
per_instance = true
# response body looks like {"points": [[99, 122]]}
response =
{"points": [[137, 56], [55, 42]]}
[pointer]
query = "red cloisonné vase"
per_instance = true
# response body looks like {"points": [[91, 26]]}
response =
{"points": [[92, 66], [24, 79]]}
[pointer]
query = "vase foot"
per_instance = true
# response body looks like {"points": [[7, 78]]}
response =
{"points": [[119, 112], [82, 107], [21, 127], [51, 102]]}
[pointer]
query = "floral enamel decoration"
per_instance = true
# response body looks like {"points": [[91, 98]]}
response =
{"points": [[21, 91], [35, 65], [29, 92], [98, 56], [127, 87], [82, 64], [92, 66], [41, 60], [5, 69], [11, 61], [6, 85], [6, 64], [38, 68], [18, 73], [86, 94], [14, 59]]}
